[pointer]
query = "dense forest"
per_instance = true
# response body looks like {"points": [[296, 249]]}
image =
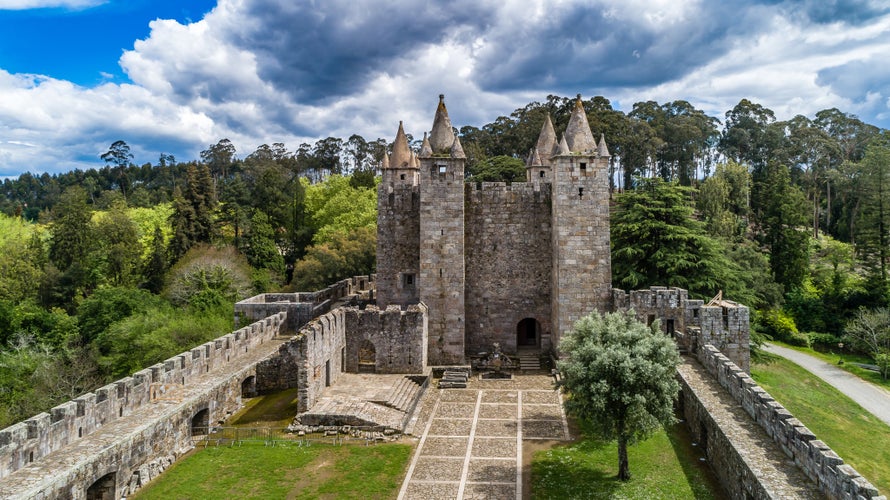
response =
{"points": [[106, 271]]}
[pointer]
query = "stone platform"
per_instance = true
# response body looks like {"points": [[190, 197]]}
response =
{"points": [[471, 446], [368, 400]]}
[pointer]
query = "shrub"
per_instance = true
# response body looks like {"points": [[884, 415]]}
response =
{"points": [[778, 325], [823, 340], [223, 271]]}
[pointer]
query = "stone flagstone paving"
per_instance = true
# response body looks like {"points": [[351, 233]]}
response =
{"points": [[471, 447]]}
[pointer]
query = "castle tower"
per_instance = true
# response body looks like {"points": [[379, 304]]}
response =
{"points": [[537, 166], [582, 269], [441, 281], [398, 205]]}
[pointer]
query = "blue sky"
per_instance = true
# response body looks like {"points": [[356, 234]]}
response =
{"points": [[176, 77], [83, 45]]}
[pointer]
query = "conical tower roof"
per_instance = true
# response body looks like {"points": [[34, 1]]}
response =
{"points": [[442, 134], [602, 149], [401, 153], [578, 136], [547, 143], [563, 148], [385, 163], [425, 149], [530, 159], [457, 151]]}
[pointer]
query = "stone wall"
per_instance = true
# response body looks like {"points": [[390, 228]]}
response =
{"points": [[690, 322], [318, 351], [128, 425], [582, 272], [301, 307], [508, 263], [397, 337], [730, 466], [834, 478], [28, 441], [398, 243], [441, 282]]}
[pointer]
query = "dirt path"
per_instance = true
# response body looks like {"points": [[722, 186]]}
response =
{"points": [[871, 397]]}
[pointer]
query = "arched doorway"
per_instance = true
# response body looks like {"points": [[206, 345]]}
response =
{"points": [[201, 423], [367, 357], [248, 387], [528, 333], [103, 488]]}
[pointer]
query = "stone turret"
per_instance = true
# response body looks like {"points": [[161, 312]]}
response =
{"points": [[398, 205], [537, 167], [581, 267], [442, 277]]}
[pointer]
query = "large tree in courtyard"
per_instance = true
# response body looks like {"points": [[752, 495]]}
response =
{"points": [[620, 376]]}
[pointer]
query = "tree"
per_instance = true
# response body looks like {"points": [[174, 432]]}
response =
{"points": [[621, 377], [219, 158], [119, 156], [117, 246], [261, 251], [498, 169], [783, 221], [156, 264], [655, 241], [873, 234], [870, 332]]}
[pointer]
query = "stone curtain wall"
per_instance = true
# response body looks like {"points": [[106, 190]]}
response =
{"points": [[399, 337], [833, 477], [152, 440], [44, 433], [508, 263]]}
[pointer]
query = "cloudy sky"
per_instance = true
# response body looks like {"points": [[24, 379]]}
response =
{"points": [[175, 76]]}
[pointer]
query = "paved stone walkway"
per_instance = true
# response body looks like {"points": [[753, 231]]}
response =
{"points": [[471, 446], [869, 396]]}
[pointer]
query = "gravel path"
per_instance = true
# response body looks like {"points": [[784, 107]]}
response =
{"points": [[871, 397]]}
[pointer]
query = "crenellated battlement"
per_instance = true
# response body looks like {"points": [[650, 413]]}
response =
{"points": [[40, 435]]}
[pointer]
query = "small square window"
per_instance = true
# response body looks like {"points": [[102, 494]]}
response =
{"points": [[402, 176], [408, 279], [443, 169], [583, 166], [542, 174]]}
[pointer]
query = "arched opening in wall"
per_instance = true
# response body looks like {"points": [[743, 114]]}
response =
{"points": [[248, 387], [201, 422], [103, 488], [367, 357], [528, 333]]}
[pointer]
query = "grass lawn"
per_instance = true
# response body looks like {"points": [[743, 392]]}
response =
{"points": [[262, 472], [665, 466], [857, 436], [849, 363]]}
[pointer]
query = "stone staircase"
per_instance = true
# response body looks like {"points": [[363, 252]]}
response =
{"points": [[405, 394], [529, 360]]}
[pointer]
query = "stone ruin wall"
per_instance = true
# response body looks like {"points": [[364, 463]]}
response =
{"points": [[823, 466], [508, 263], [329, 346], [690, 322], [153, 442], [399, 337], [302, 307]]}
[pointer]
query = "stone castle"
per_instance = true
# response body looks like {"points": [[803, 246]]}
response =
{"points": [[461, 266], [519, 263]]}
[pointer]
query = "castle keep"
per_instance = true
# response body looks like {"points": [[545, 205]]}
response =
{"points": [[516, 263]]}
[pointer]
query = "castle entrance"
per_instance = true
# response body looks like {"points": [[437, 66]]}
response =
{"points": [[528, 333], [103, 488]]}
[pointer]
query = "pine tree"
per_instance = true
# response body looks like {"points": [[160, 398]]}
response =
{"points": [[156, 265]]}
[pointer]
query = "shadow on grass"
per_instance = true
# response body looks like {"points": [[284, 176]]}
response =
{"points": [[273, 409], [696, 471], [569, 472]]}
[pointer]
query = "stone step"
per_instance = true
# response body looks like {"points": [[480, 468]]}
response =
{"points": [[404, 395]]}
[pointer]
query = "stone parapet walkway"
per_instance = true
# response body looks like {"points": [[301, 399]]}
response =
{"points": [[778, 474], [56, 468], [471, 446]]}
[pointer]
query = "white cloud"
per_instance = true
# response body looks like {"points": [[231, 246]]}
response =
{"points": [[277, 71], [40, 4]]}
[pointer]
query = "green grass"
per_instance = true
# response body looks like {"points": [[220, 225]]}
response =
{"points": [[262, 472], [665, 466], [850, 359], [857, 436], [271, 410]]}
